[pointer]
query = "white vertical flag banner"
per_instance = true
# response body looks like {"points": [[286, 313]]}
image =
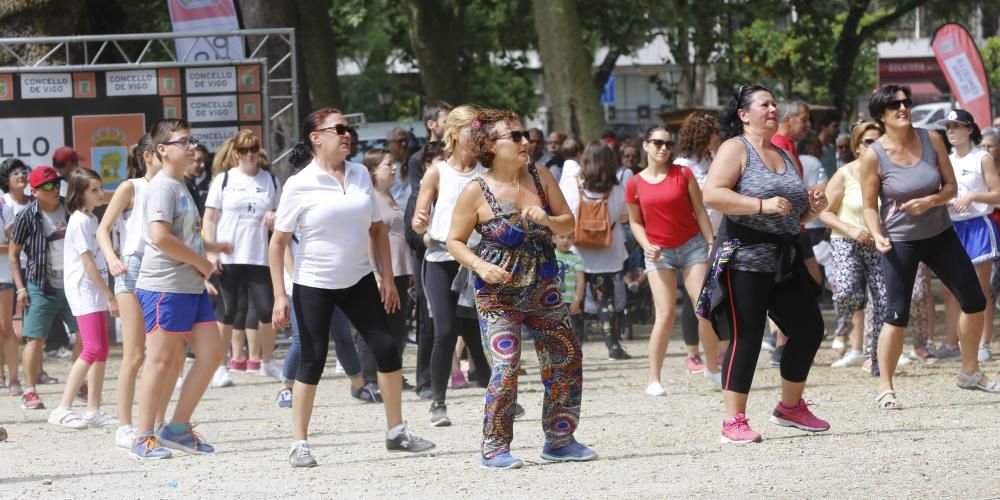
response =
{"points": [[205, 15]]}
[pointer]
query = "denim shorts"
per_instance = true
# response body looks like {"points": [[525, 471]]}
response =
{"points": [[126, 282], [691, 252]]}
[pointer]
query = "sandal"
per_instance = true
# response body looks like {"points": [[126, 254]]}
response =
{"points": [[974, 382], [887, 401]]}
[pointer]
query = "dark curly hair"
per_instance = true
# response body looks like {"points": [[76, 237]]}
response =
{"points": [[483, 135], [730, 124], [696, 132], [5, 168]]}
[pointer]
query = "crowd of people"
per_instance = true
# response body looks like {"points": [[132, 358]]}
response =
{"points": [[489, 234]]}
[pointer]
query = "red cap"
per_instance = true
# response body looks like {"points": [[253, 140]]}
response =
{"points": [[42, 175], [65, 155]]}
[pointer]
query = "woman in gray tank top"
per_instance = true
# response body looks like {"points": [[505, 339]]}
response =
{"points": [[906, 182], [757, 270]]}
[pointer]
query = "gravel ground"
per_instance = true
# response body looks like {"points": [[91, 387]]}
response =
{"points": [[943, 445]]}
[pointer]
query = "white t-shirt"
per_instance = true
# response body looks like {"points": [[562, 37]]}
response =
{"points": [[242, 205], [567, 180], [969, 174], [700, 170], [54, 224], [612, 258], [451, 183], [331, 221], [811, 168], [8, 201], [7, 219], [83, 295]]}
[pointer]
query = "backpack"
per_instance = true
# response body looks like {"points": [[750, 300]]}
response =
{"points": [[593, 223]]}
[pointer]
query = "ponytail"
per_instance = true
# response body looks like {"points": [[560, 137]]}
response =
{"points": [[136, 160]]}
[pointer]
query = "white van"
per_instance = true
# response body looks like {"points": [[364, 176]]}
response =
{"points": [[927, 115]]}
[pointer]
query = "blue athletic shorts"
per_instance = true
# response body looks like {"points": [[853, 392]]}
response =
{"points": [[174, 313]]}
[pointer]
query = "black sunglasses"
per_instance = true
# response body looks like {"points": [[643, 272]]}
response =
{"points": [[339, 129], [515, 135], [250, 150], [659, 143], [899, 103]]}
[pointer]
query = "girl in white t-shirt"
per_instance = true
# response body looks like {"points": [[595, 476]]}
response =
{"points": [[123, 217], [11, 170], [90, 299], [329, 206]]}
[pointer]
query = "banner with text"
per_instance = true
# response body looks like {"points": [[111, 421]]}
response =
{"points": [[959, 58], [205, 15]]}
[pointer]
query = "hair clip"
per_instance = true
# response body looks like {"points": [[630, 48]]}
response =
{"points": [[476, 124]]}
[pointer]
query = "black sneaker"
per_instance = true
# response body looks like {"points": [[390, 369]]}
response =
{"points": [[617, 353], [439, 415], [406, 441], [407, 386], [367, 393]]}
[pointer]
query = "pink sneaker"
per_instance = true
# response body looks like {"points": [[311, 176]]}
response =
{"points": [[238, 366], [694, 364], [253, 366], [458, 380], [799, 417], [737, 430]]}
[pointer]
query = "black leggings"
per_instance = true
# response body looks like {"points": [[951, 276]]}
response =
{"points": [[252, 281], [448, 326], [362, 304], [943, 254], [792, 306], [397, 327], [689, 320]]}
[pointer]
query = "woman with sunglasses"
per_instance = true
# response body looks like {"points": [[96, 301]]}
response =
{"points": [[240, 208], [442, 184], [978, 193], [757, 270], [906, 181], [669, 220], [329, 206], [13, 179], [516, 207]]}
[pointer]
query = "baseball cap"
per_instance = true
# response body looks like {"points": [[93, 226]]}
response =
{"points": [[42, 175], [65, 155], [959, 117]]}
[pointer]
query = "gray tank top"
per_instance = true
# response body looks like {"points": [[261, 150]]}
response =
{"points": [[903, 183], [760, 182]]}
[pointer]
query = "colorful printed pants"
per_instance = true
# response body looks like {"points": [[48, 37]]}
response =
{"points": [[502, 311]]}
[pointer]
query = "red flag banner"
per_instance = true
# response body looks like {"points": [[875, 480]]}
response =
{"points": [[205, 15], [962, 65]]}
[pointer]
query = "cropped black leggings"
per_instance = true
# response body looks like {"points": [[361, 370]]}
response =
{"points": [[362, 304], [253, 283], [753, 296]]}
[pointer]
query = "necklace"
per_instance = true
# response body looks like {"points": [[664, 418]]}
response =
{"points": [[515, 184]]}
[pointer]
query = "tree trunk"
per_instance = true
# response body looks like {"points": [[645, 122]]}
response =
{"points": [[34, 18], [267, 14], [321, 58], [435, 32], [568, 73], [848, 46]]}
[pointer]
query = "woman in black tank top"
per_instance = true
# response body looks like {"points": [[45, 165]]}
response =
{"points": [[757, 270]]}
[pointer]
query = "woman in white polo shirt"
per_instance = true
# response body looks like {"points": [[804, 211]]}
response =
{"points": [[330, 206]]}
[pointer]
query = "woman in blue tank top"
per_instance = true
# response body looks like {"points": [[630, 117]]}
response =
{"points": [[906, 182], [757, 269]]}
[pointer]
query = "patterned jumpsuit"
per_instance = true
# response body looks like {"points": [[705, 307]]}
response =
{"points": [[532, 298]]}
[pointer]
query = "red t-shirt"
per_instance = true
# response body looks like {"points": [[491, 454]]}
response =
{"points": [[788, 146], [666, 207]]}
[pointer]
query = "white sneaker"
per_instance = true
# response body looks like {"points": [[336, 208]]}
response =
{"points": [[65, 417], [715, 378], [904, 360], [852, 358], [838, 344], [985, 354], [221, 378], [99, 418], [272, 369], [655, 389], [339, 369], [125, 437]]}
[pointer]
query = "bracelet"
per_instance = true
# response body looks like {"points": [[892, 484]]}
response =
{"points": [[760, 206], [20, 290]]}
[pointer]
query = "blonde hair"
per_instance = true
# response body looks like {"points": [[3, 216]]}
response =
{"points": [[458, 118], [228, 156]]}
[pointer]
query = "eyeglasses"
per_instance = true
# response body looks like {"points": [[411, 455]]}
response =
{"points": [[515, 135], [868, 142], [17, 173], [899, 103], [660, 144], [339, 129], [49, 186], [250, 150], [183, 143]]}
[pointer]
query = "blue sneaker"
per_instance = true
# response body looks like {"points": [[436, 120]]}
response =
{"points": [[284, 398], [573, 452], [146, 448], [503, 460], [189, 440]]}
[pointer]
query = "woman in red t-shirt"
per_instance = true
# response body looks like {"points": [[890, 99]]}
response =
{"points": [[669, 221]]}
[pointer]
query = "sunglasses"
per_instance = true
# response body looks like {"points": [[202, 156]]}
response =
{"points": [[899, 103], [659, 143], [49, 186], [250, 150], [183, 143], [515, 135], [339, 129]]}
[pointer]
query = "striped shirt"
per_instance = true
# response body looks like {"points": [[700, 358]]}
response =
{"points": [[28, 231]]}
